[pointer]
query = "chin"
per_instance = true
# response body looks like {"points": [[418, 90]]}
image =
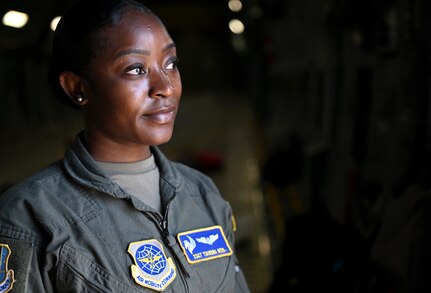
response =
{"points": [[162, 142], [161, 138]]}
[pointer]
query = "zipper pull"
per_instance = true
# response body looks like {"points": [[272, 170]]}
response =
{"points": [[164, 225]]}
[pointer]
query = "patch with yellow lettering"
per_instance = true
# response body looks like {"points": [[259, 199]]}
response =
{"points": [[6, 275], [152, 269], [204, 244]]}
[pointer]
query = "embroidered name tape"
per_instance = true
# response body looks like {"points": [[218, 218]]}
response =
{"points": [[6, 275], [204, 244], [152, 269]]}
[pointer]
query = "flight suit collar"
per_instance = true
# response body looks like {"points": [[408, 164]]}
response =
{"points": [[82, 168]]}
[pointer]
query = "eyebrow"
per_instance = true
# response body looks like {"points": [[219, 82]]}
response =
{"points": [[141, 51]]}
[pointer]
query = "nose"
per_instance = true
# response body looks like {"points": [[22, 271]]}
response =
{"points": [[160, 85]]}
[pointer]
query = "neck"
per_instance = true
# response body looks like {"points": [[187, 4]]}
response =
{"points": [[103, 149]]}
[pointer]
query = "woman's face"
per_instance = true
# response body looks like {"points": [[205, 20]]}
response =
{"points": [[136, 86]]}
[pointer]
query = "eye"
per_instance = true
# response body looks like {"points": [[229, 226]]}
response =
{"points": [[172, 64], [136, 69]]}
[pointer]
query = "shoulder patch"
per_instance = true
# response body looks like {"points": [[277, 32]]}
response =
{"points": [[6, 275], [233, 223], [204, 244], [151, 269]]}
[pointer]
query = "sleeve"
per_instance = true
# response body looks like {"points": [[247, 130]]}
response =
{"points": [[240, 282], [241, 285], [21, 266]]}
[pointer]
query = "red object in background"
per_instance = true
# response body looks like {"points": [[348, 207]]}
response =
{"points": [[206, 161]]}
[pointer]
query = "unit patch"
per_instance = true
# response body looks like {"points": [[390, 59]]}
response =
{"points": [[152, 269], [204, 244], [6, 275]]}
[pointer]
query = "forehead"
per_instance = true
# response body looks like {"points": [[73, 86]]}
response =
{"points": [[135, 29]]}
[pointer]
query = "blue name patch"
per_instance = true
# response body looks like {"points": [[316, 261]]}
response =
{"points": [[204, 244]]}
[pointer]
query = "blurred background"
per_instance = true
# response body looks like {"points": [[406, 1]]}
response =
{"points": [[312, 117]]}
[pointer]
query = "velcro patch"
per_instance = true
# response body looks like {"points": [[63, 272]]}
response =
{"points": [[6, 275], [152, 269], [204, 244]]}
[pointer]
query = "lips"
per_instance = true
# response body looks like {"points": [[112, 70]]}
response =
{"points": [[162, 115]]}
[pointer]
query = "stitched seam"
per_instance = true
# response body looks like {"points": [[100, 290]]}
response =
{"points": [[69, 251], [12, 233], [95, 210]]}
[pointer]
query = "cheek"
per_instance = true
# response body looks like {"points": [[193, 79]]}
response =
{"points": [[120, 93], [111, 102]]}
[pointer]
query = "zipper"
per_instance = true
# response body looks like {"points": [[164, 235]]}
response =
{"points": [[163, 224]]}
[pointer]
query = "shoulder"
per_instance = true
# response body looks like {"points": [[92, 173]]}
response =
{"points": [[182, 176], [195, 179], [202, 189], [31, 188], [42, 202]]}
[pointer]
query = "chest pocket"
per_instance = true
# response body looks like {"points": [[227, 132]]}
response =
{"points": [[220, 274], [78, 273]]}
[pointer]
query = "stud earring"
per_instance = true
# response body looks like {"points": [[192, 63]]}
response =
{"points": [[79, 99]]}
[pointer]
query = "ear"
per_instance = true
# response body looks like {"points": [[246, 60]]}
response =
{"points": [[73, 85]]}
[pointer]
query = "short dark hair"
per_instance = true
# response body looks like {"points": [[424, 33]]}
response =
{"points": [[77, 37]]}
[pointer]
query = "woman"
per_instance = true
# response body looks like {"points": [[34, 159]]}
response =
{"points": [[115, 215]]}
